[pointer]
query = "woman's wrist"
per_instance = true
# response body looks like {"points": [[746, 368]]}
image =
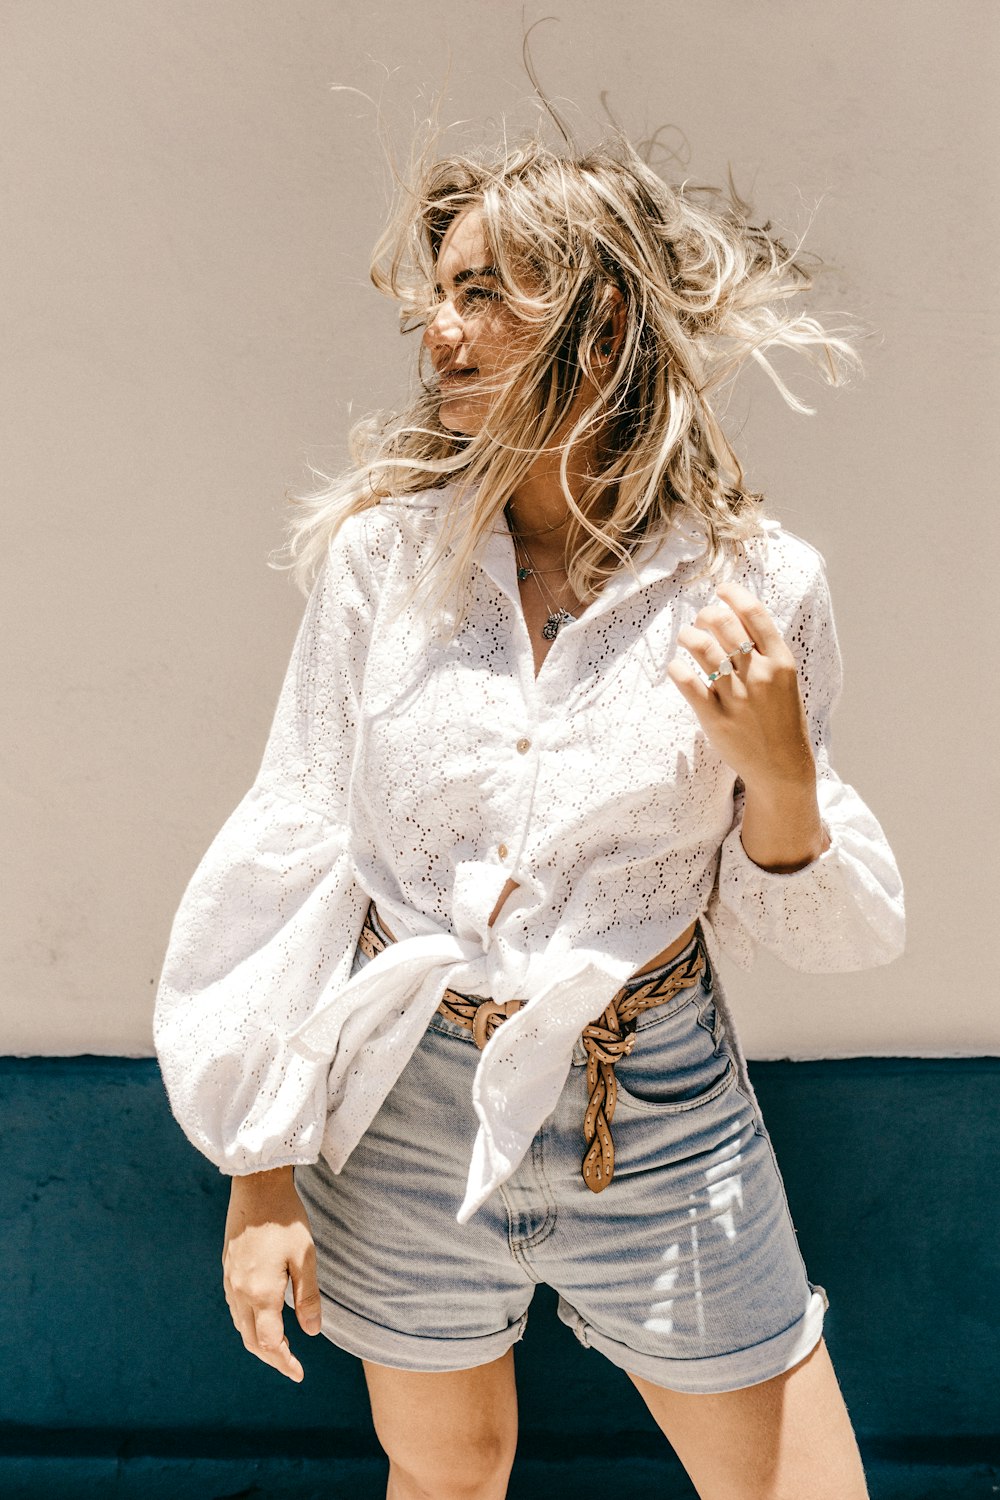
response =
{"points": [[782, 830], [274, 1182]]}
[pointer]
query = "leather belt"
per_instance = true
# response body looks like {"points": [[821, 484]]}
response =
{"points": [[605, 1040]]}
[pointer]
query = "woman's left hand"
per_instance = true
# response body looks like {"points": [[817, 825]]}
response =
{"points": [[754, 716]]}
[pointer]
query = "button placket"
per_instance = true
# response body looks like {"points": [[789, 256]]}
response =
{"points": [[508, 849], [524, 766]]}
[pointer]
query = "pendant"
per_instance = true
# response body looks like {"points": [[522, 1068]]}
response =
{"points": [[551, 627], [523, 574]]}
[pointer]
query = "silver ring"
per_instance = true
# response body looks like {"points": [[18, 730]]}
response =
{"points": [[725, 667]]}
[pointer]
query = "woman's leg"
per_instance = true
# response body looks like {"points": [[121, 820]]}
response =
{"points": [[782, 1439], [448, 1436]]}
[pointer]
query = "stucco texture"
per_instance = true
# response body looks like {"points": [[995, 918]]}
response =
{"points": [[189, 207]]}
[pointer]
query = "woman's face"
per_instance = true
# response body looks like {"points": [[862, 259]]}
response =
{"points": [[472, 336]]}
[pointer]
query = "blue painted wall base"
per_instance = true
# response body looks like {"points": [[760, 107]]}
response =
{"points": [[123, 1376], [166, 1478]]}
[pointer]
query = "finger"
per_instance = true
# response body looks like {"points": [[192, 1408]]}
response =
{"points": [[692, 686], [278, 1359], [239, 1308], [243, 1322], [703, 646], [722, 622], [755, 615], [725, 626], [305, 1290], [271, 1343]]}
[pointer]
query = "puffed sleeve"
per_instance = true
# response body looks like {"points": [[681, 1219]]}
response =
{"points": [[268, 922], [844, 910]]}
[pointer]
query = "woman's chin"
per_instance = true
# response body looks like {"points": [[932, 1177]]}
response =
{"points": [[460, 416]]}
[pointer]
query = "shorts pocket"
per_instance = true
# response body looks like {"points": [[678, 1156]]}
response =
{"points": [[678, 1062]]}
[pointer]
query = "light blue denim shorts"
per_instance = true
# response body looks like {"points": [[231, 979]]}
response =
{"points": [[685, 1270]]}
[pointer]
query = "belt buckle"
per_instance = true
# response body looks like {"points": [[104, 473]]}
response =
{"points": [[488, 1017]]}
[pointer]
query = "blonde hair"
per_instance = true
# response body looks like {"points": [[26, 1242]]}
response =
{"points": [[702, 290]]}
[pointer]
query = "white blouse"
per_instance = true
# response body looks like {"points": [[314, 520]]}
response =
{"points": [[424, 772]]}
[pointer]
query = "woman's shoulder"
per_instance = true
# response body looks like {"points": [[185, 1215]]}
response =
{"points": [[778, 560], [369, 537], [393, 518], [776, 549], [786, 572]]}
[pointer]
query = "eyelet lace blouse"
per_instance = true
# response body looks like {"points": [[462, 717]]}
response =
{"points": [[423, 772]]}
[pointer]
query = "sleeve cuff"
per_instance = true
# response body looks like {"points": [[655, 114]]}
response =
{"points": [[842, 911], [733, 847]]}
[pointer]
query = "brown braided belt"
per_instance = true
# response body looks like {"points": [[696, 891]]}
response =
{"points": [[604, 1040]]}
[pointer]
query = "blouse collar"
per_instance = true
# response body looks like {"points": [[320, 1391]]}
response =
{"points": [[654, 559]]}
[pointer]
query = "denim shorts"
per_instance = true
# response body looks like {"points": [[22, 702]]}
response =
{"points": [[685, 1270]]}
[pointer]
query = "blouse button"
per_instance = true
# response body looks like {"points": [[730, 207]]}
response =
{"points": [[503, 851], [523, 746]]}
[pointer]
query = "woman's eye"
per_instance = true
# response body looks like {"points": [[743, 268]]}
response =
{"points": [[472, 294]]}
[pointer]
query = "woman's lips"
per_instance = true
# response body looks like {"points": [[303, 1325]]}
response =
{"points": [[452, 378]]}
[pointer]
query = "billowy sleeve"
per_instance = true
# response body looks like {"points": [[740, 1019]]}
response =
{"points": [[844, 910], [267, 925]]}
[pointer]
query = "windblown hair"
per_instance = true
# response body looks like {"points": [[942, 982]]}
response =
{"points": [[702, 290]]}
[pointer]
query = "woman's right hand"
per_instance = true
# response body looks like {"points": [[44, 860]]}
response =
{"points": [[268, 1241]]}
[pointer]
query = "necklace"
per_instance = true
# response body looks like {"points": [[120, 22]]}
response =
{"points": [[557, 616]]}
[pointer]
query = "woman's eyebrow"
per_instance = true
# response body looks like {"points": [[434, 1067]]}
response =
{"points": [[467, 275]]}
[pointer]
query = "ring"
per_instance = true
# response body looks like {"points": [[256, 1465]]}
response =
{"points": [[725, 667]]}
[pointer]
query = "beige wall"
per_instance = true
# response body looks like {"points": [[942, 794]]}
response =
{"points": [[188, 212]]}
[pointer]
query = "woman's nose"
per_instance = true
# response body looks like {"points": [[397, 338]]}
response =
{"points": [[445, 327]]}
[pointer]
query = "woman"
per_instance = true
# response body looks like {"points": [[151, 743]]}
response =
{"points": [[439, 997]]}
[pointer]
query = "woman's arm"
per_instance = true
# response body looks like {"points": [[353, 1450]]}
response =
{"points": [[760, 729], [268, 923], [782, 830], [267, 1243], [805, 870]]}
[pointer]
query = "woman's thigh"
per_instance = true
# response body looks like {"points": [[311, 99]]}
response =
{"points": [[778, 1440], [448, 1433]]}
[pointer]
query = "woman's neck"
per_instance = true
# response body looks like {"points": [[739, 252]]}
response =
{"points": [[538, 510]]}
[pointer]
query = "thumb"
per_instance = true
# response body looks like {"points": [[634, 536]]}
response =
{"points": [[305, 1293]]}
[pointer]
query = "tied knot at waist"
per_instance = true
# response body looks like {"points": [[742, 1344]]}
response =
{"points": [[487, 1017], [606, 1040]]}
